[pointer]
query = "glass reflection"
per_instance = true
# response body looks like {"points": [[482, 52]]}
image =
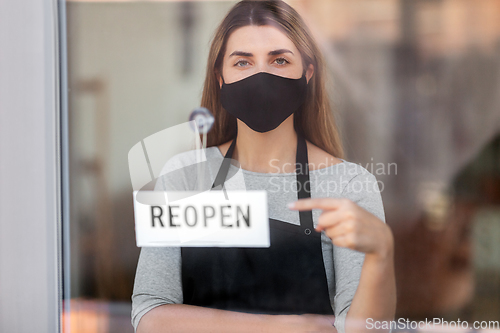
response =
{"points": [[415, 84]]}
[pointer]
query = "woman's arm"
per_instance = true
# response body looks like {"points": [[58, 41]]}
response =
{"points": [[174, 318], [356, 221], [375, 298]]}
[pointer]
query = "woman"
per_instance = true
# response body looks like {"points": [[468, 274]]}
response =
{"points": [[265, 86]]}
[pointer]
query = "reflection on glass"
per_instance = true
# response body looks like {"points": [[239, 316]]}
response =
{"points": [[416, 85]]}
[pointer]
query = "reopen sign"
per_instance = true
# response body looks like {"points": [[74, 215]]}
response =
{"points": [[208, 218]]}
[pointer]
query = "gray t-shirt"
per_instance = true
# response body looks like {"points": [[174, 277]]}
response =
{"points": [[158, 276]]}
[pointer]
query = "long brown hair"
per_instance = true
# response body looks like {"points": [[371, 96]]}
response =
{"points": [[315, 121]]}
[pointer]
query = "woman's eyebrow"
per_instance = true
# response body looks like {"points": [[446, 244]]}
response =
{"points": [[247, 54]]}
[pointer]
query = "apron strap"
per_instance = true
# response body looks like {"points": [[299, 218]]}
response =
{"points": [[223, 170], [303, 182]]}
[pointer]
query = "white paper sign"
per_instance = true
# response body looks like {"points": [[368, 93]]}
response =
{"points": [[207, 218]]}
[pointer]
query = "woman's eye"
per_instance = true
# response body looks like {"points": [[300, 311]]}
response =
{"points": [[282, 61], [240, 62]]}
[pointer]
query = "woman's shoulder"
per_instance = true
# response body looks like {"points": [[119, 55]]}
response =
{"points": [[320, 160]]}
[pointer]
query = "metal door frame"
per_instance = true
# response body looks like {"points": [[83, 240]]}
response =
{"points": [[33, 165]]}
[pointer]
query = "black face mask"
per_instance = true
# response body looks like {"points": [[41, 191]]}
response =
{"points": [[263, 100]]}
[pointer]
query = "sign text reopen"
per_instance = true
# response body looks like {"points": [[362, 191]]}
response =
{"points": [[201, 218]]}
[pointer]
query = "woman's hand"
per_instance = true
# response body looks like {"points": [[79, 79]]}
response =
{"points": [[349, 225]]}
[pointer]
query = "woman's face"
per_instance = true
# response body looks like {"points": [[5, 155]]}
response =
{"points": [[253, 49]]}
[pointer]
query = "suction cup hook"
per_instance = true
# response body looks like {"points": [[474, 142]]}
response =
{"points": [[203, 118], [203, 122]]}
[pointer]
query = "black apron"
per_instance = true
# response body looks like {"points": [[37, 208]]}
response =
{"points": [[287, 278]]}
